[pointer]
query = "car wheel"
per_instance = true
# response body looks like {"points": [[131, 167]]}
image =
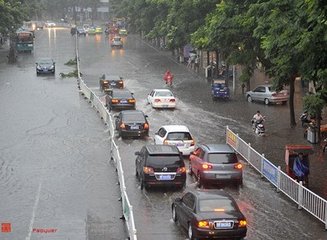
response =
{"points": [[266, 101], [173, 213], [249, 98], [190, 232]]}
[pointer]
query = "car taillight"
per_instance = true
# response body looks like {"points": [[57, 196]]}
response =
{"points": [[203, 224], [192, 143], [181, 170], [206, 166], [172, 100], [238, 166], [114, 100], [122, 125], [274, 94], [156, 100], [146, 126], [165, 141], [131, 100], [242, 223], [148, 170]]}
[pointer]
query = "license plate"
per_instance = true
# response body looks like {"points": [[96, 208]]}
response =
{"points": [[123, 101], [179, 144], [164, 106], [113, 84], [223, 225], [223, 176], [165, 177], [134, 127]]}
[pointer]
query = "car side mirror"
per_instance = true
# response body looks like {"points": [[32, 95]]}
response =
{"points": [[137, 153]]}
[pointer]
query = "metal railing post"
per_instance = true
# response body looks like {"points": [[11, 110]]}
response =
{"points": [[300, 195], [249, 152], [278, 178], [261, 165]]}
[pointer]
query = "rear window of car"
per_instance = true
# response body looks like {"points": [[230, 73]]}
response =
{"points": [[133, 117], [164, 94], [122, 94], [179, 136], [164, 160], [216, 205], [222, 158]]}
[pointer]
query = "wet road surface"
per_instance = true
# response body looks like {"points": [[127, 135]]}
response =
{"points": [[270, 214], [56, 180]]}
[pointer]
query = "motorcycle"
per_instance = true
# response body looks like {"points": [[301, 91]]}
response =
{"points": [[168, 79], [258, 127]]}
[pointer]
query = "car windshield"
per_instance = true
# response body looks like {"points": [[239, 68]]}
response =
{"points": [[179, 136], [219, 85], [222, 158], [135, 117], [163, 94], [164, 160], [45, 61], [122, 94], [216, 205]]}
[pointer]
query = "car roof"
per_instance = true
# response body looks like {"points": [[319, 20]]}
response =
{"points": [[176, 128], [217, 148], [160, 149]]}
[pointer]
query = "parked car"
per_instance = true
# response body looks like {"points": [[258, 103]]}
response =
{"points": [[209, 214], [107, 83], [132, 123], [266, 94], [215, 163], [178, 135], [120, 99], [160, 165], [162, 98], [80, 31], [116, 42], [45, 65]]}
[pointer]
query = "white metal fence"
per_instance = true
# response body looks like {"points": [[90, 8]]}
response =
{"points": [[115, 156], [304, 198]]}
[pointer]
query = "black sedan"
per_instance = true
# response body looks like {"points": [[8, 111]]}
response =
{"points": [[132, 123], [120, 99], [209, 214], [45, 65]]}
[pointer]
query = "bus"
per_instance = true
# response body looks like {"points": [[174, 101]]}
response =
{"points": [[24, 41]]}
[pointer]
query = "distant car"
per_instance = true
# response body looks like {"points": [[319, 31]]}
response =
{"points": [[178, 135], [209, 214], [215, 163], [160, 165], [45, 65], [162, 98], [120, 99], [122, 32], [116, 42], [98, 30], [219, 90], [266, 94], [91, 31], [80, 31], [107, 83], [86, 27], [50, 24], [132, 123]]}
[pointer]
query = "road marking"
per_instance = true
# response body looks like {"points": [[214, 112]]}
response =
{"points": [[36, 203]]}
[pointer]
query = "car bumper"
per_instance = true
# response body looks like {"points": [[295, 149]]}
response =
{"points": [[45, 70], [134, 133], [126, 106], [218, 177], [279, 99], [219, 234], [178, 181], [163, 105]]}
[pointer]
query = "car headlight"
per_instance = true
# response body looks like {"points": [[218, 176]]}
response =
{"points": [[38, 67], [51, 67]]}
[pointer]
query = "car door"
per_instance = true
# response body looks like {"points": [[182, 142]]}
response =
{"points": [[260, 93], [187, 209], [159, 136]]}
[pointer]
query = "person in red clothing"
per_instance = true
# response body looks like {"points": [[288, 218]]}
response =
{"points": [[168, 77]]}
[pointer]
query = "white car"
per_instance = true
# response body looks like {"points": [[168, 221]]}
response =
{"points": [[50, 24], [162, 98], [178, 135]]}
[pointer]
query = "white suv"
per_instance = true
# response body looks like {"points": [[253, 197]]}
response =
{"points": [[178, 135]]}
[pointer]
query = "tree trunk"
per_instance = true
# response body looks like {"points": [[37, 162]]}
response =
{"points": [[12, 58], [217, 63], [208, 58], [291, 102]]}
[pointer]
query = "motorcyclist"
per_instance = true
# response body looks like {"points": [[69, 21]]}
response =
{"points": [[257, 119], [168, 77], [305, 119]]}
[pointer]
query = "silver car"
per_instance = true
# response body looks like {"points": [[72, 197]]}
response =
{"points": [[215, 163], [266, 94]]}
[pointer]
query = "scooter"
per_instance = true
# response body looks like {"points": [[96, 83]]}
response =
{"points": [[258, 127], [169, 79]]}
